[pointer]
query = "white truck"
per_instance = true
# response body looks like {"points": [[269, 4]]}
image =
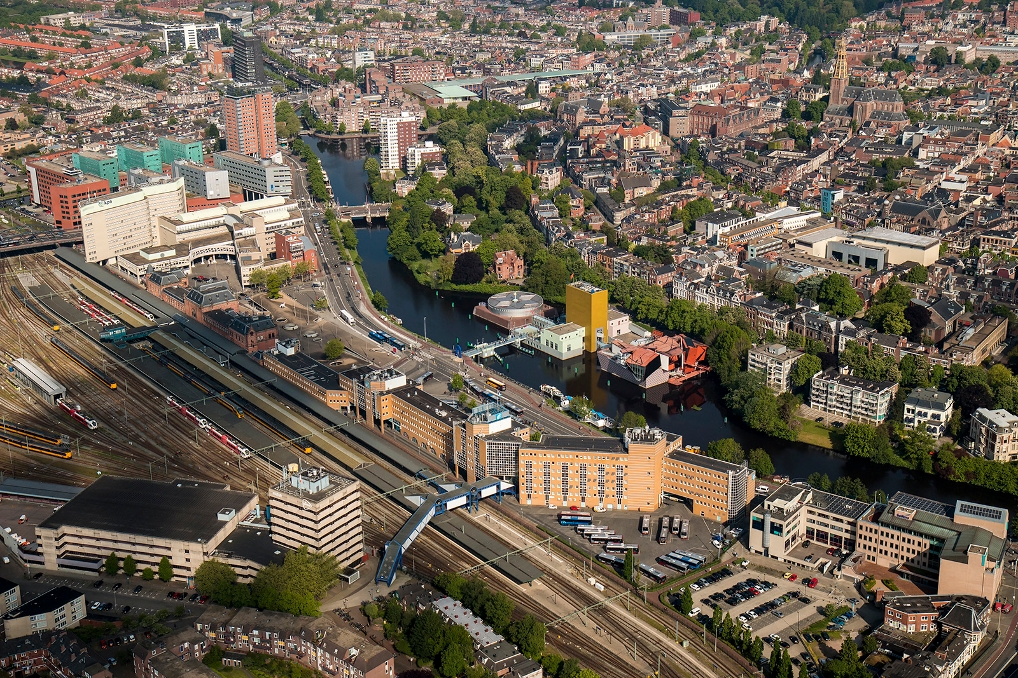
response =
{"points": [[347, 316]]}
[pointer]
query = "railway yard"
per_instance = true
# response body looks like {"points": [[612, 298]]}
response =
{"points": [[165, 406]]}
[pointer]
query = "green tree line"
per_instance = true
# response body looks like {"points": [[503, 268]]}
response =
{"points": [[297, 586]]}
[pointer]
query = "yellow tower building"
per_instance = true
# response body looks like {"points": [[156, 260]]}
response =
{"points": [[587, 306]]}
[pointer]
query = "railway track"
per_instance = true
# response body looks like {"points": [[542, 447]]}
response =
{"points": [[158, 448], [603, 651]]}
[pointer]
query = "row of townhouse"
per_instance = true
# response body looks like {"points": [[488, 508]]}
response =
{"points": [[319, 643]]}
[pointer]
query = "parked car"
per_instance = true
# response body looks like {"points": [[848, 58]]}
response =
{"points": [[116, 587], [98, 584], [138, 588], [812, 583]]}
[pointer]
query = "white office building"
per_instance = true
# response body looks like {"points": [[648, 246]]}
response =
{"points": [[125, 222], [257, 178], [202, 180]]}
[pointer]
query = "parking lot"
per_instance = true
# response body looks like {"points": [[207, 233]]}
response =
{"points": [[772, 606], [627, 524], [119, 592]]}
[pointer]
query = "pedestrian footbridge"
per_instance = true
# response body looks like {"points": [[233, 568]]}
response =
{"points": [[451, 496]]}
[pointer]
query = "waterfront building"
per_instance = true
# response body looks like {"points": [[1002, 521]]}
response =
{"points": [[424, 152], [844, 395], [775, 362], [396, 134], [994, 434], [587, 306], [930, 408], [563, 341], [319, 510]]}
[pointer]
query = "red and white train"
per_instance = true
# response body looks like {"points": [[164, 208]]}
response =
{"points": [[97, 314], [77, 414], [131, 305], [201, 422]]}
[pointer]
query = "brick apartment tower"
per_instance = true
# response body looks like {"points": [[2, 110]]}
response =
{"points": [[395, 135], [250, 123]]}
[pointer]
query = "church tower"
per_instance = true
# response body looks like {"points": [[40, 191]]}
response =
{"points": [[839, 79]]}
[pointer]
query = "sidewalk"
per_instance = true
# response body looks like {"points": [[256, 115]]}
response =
{"points": [[1006, 643]]}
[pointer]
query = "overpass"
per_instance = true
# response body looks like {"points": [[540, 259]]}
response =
{"points": [[23, 242], [453, 496]]}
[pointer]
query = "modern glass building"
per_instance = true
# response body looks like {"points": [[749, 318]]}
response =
{"points": [[99, 165], [139, 156], [176, 148]]}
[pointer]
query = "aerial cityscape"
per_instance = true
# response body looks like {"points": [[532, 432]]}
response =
{"points": [[566, 339]]}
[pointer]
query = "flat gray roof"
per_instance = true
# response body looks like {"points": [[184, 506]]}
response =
{"points": [[879, 234], [34, 489], [184, 510]]}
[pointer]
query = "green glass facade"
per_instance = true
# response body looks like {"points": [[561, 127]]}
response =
{"points": [[172, 148], [98, 165], [136, 156]]}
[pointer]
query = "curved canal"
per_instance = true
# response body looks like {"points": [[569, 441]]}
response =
{"points": [[695, 410]]}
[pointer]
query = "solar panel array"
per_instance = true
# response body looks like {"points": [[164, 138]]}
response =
{"points": [[937, 508], [981, 511]]}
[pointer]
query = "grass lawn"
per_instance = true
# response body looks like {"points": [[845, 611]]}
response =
{"points": [[816, 434]]}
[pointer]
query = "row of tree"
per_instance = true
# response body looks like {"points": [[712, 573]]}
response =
{"points": [[296, 586], [527, 633], [129, 567], [273, 279], [315, 175]]}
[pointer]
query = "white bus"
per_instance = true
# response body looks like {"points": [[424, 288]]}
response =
{"points": [[346, 316]]}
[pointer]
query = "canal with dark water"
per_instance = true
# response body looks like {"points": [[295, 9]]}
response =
{"points": [[696, 410]]}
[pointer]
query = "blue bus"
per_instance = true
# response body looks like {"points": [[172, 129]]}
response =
{"points": [[673, 563]]}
